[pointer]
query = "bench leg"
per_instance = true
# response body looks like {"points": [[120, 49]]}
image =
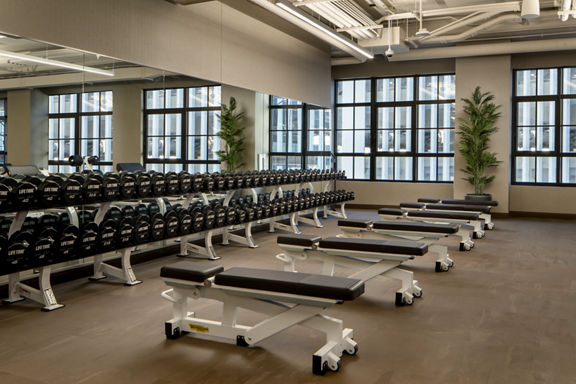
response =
{"points": [[444, 262], [410, 288]]}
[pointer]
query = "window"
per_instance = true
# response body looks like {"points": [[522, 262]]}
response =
{"points": [[181, 126], [3, 118], [80, 124], [300, 135], [396, 129], [544, 120]]}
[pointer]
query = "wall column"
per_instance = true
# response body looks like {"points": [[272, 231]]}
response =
{"points": [[493, 74]]}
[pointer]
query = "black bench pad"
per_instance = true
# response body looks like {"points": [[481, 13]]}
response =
{"points": [[428, 200], [445, 215], [391, 211], [191, 271], [301, 240], [491, 203], [412, 205], [460, 207], [375, 246], [305, 284], [416, 227], [354, 223]]}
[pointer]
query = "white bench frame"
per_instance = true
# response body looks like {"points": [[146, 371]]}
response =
{"points": [[379, 264], [443, 263], [284, 310]]}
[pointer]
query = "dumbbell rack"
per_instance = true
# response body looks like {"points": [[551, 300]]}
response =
{"points": [[207, 251], [44, 295], [341, 214]]}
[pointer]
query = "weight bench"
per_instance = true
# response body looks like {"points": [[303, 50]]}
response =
{"points": [[427, 233], [483, 210], [491, 203], [375, 257], [288, 299], [470, 223]]}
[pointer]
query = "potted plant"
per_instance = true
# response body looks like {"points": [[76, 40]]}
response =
{"points": [[475, 131], [232, 135]]}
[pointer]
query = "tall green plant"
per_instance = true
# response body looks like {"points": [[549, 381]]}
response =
{"points": [[232, 135], [475, 131]]}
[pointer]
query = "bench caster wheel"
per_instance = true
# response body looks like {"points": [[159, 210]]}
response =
{"points": [[172, 333], [352, 350], [442, 267], [464, 247], [418, 294], [335, 367], [401, 300]]}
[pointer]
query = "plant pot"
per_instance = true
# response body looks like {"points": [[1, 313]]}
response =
{"points": [[480, 197]]}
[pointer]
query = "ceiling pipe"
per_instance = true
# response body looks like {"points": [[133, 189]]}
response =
{"points": [[472, 31], [512, 6], [415, 41], [549, 45], [327, 34]]}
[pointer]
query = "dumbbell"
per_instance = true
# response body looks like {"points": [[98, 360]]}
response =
{"points": [[153, 208], [47, 190], [220, 216], [197, 219], [219, 182], [229, 181], [124, 233], [158, 184], [209, 217], [172, 183], [143, 184], [141, 209], [231, 215], [142, 229], [207, 183], [185, 182], [127, 185], [15, 194], [105, 241], [15, 252], [91, 187], [87, 239], [258, 211], [113, 213], [110, 187], [185, 222], [241, 215], [128, 211], [197, 183], [172, 224], [157, 227], [42, 247], [65, 246]]}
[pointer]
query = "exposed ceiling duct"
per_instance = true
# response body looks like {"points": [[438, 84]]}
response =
{"points": [[405, 27], [487, 49]]}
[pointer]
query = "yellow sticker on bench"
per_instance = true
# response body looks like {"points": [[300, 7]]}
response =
{"points": [[198, 328]]}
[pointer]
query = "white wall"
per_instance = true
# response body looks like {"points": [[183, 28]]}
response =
{"points": [[212, 41]]}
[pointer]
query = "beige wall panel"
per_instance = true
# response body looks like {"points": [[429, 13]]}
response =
{"points": [[493, 74], [381, 67], [542, 199], [375, 193], [18, 132], [211, 41]]}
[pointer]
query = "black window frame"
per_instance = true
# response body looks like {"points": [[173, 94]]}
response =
{"points": [[184, 112], [557, 153], [77, 116], [374, 130], [304, 130]]}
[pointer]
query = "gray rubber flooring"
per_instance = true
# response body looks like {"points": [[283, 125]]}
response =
{"points": [[505, 314]]}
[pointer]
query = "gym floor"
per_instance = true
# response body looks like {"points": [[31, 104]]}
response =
{"points": [[504, 314]]}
